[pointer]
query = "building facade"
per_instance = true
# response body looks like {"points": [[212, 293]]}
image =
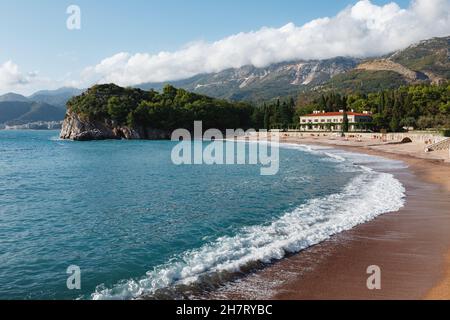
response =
{"points": [[334, 121]]}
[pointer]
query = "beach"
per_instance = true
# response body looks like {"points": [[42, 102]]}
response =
{"points": [[411, 246]]}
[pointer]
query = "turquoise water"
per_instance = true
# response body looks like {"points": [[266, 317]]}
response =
{"points": [[134, 222]]}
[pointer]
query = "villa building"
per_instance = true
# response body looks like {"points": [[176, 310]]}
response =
{"points": [[333, 121]]}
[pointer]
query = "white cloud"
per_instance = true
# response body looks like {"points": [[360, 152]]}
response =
{"points": [[11, 77], [361, 30]]}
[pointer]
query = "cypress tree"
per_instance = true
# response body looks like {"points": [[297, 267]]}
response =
{"points": [[345, 125]]}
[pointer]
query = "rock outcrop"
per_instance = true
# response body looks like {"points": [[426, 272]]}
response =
{"points": [[78, 129], [388, 65]]}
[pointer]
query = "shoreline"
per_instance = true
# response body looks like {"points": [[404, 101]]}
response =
{"points": [[411, 246]]}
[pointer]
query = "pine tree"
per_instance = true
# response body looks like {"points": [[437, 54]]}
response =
{"points": [[323, 103], [394, 123]]}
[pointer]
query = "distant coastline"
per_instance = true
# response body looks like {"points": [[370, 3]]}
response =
{"points": [[39, 125]]}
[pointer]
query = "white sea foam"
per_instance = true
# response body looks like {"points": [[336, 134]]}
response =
{"points": [[366, 197]]}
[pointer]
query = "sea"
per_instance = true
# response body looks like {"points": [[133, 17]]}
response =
{"points": [[137, 226]]}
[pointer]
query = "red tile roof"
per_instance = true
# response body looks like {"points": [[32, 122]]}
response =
{"points": [[334, 114]]}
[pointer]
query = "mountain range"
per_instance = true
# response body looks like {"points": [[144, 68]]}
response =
{"points": [[48, 105], [425, 62], [251, 83], [17, 113]]}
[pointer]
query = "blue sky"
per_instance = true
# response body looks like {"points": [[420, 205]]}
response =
{"points": [[34, 34]]}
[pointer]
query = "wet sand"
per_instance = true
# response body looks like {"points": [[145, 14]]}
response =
{"points": [[412, 246]]}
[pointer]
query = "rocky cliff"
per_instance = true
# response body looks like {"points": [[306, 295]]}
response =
{"points": [[388, 65], [257, 84], [76, 128]]}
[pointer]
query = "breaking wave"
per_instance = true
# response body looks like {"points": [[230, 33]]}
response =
{"points": [[367, 196]]}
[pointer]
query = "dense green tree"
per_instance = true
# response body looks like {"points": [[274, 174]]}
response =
{"points": [[394, 124], [380, 122], [445, 108], [169, 92], [169, 110], [258, 118], [266, 117], [346, 124], [116, 109], [409, 122], [421, 106]]}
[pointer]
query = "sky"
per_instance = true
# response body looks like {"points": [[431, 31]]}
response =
{"points": [[136, 41]]}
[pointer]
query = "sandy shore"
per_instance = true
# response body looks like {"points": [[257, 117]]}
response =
{"points": [[412, 246]]}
